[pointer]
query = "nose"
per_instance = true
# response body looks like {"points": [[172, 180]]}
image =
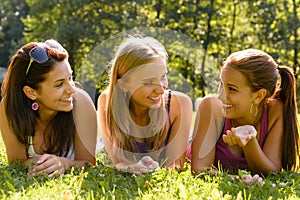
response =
{"points": [[160, 88], [70, 87]]}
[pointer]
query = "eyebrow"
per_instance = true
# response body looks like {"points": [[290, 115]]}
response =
{"points": [[148, 79], [232, 85], [59, 80], [62, 79]]}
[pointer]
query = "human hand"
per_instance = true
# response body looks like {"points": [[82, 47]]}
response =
{"points": [[49, 164], [251, 180], [146, 164], [240, 135]]}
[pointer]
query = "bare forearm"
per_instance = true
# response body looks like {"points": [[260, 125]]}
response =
{"points": [[123, 166], [257, 160]]}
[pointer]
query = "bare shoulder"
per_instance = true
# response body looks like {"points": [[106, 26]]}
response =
{"points": [[83, 100], [2, 111], [81, 95], [102, 97], [181, 98], [102, 100], [210, 101], [3, 118], [275, 110], [180, 105]]}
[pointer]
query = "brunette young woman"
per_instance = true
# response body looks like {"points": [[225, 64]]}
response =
{"points": [[252, 124], [46, 122]]}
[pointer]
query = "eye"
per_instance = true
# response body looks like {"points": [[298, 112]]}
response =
{"points": [[232, 89], [164, 77], [59, 84], [150, 82]]}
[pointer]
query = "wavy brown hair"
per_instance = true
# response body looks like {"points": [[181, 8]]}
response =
{"points": [[261, 71], [21, 118]]}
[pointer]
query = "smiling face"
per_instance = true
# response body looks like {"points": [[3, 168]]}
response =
{"points": [[56, 92], [147, 85], [235, 94]]}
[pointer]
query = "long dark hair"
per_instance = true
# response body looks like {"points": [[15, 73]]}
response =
{"points": [[261, 71], [59, 133]]}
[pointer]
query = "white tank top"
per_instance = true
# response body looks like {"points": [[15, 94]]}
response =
{"points": [[31, 152]]}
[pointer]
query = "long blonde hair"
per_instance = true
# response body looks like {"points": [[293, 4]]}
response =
{"points": [[133, 53]]}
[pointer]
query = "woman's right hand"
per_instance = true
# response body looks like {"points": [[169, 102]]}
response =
{"points": [[49, 164]]}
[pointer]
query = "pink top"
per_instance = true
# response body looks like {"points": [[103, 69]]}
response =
{"points": [[226, 157]]}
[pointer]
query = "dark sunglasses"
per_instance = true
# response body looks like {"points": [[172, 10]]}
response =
{"points": [[39, 53]]}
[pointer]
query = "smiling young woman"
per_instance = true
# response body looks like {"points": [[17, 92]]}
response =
{"points": [[46, 122], [252, 124], [143, 123]]}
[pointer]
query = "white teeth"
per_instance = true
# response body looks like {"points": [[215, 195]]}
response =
{"points": [[154, 98], [227, 106], [67, 99]]}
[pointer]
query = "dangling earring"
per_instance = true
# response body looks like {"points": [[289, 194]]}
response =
{"points": [[35, 106], [251, 110]]}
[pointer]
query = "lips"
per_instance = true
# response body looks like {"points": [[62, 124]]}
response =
{"points": [[155, 99], [67, 100]]}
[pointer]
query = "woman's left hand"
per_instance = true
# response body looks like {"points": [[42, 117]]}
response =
{"points": [[50, 164]]}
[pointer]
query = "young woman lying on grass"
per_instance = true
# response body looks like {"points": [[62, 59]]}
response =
{"points": [[46, 122], [144, 125], [252, 124]]}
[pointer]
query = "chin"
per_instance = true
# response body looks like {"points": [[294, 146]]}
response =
{"points": [[225, 114], [68, 109], [155, 106]]}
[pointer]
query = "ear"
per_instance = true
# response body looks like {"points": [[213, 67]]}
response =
{"points": [[260, 95], [122, 85], [29, 92]]}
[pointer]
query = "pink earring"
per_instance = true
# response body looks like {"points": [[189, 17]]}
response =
{"points": [[35, 106]]}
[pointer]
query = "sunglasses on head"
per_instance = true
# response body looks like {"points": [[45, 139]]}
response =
{"points": [[39, 53]]}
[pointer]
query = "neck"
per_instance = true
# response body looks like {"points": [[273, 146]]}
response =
{"points": [[250, 120], [141, 119], [139, 116], [45, 118]]}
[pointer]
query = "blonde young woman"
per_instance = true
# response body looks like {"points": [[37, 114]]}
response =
{"points": [[252, 124], [144, 124], [46, 123]]}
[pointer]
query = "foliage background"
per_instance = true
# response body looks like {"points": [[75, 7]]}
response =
{"points": [[219, 27]]}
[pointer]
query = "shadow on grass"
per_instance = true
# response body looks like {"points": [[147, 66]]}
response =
{"points": [[105, 181], [14, 178]]}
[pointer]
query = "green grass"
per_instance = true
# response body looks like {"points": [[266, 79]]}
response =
{"points": [[104, 182]]}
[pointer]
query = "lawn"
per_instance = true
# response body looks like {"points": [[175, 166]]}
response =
{"points": [[104, 182]]}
